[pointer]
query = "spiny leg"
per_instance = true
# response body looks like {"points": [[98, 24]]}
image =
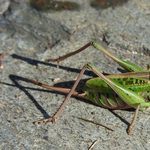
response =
{"points": [[58, 60], [134, 119], [78, 93], [126, 65], [65, 101]]}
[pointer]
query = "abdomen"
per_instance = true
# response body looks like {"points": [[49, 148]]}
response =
{"points": [[106, 100]]}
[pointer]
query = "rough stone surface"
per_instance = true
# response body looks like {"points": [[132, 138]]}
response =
{"points": [[32, 31]]}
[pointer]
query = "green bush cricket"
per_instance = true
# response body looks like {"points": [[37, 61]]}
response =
{"points": [[119, 91]]}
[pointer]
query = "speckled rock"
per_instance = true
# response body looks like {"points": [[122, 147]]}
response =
{"points": [[33, 31]]}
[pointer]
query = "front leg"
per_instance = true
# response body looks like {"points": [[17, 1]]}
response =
{"points": [[126, 65]]}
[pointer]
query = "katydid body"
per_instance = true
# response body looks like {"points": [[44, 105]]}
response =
{"points": [[98, 91], [122, 91]]}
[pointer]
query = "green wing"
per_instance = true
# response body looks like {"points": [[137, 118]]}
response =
{"points": [[132, 83]]}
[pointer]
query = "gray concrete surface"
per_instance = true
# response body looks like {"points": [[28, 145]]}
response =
{"points": [[32, 31]]}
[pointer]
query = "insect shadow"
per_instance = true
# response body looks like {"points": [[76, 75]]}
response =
{"points": [[36, 62], [15, 79]]}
